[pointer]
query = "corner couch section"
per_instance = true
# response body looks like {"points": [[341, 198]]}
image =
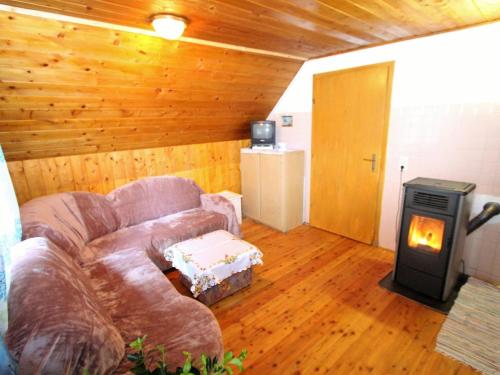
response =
{"points": [[114, 246]]}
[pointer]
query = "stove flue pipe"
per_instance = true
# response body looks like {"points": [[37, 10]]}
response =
{"points": [[490, 210]]}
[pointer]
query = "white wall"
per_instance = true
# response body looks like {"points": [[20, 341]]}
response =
{"points": [[445, 117]]}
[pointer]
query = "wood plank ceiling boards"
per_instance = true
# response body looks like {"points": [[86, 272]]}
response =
{"points": [[101, 81], [307, 28], [69, 89]]}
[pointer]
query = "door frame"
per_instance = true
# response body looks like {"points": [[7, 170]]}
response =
{"points": [[380, 187]]}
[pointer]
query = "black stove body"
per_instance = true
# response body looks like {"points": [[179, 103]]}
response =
{"points": [[432, 234]]}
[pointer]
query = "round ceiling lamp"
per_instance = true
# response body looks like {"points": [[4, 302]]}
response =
{"points": [[169, 26]]}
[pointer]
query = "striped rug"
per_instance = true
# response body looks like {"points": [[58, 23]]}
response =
{"points": [[471, 333]]}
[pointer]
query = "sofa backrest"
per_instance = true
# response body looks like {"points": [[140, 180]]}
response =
{"points": [[69, 220], [154, 197], [56, 323]]}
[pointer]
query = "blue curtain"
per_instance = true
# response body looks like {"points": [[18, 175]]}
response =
{"points": [[10, 234]]}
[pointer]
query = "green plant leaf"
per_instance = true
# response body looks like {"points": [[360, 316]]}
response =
{"points": [[237, 362], [243, 354], [162, 367], [138, 343], [228, 356], [210, 366], [187, 363], [217, 368], [204, 362]]}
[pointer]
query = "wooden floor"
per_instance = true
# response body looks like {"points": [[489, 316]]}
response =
{"points": [[315, 307]]}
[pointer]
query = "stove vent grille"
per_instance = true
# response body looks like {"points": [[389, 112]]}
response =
{"points": [[435, 201]]}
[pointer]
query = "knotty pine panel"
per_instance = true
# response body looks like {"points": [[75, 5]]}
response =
{"points": [[68, 89], [214, 166], [303, 28]]}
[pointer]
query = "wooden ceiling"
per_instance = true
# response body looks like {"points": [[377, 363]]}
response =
{"points": [[306, 28], [68, 89]]}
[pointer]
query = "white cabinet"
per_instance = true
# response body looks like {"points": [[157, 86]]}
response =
{"points": [[272, 184]]}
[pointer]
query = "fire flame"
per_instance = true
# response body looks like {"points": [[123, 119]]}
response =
{"points": [[426, 233]]}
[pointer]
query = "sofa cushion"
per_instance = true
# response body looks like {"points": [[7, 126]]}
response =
{"points": [[97, 214], [154, 197], [56, 323], [155, 235], [57, 218], [141, 300], [69, 220]]}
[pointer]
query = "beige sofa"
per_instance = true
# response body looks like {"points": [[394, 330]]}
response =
{"points": [[88, 278]]}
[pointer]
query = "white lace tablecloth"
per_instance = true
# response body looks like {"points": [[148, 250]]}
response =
{"points": [[207, 260]]}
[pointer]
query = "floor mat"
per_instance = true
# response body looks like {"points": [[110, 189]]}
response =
{"points": [[471, 332]]}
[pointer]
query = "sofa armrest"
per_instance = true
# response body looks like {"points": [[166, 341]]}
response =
{"points": [[218, 203]]}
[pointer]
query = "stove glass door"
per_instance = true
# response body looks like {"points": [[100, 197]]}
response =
{"points": [[425, 241], [426, 233]]}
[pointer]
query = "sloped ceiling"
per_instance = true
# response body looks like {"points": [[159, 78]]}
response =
{"points": [[308, 28], [70, 89]]}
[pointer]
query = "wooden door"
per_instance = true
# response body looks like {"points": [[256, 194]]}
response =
{"points": [[350, 118]]}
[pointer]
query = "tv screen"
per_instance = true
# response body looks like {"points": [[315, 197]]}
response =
{"points": [[263, 133]]}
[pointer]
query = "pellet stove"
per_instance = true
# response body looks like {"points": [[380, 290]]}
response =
{"points": [[433, 227]]}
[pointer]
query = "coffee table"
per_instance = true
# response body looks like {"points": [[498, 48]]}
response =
{"points": [[214, 265]]}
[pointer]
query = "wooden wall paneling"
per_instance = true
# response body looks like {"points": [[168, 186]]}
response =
{"points": [[198, 158], [149, 157], [214, 166], [18, 175], [128, 161], [106, 164], [93, 172], [65, 174], [69, 89], [50, 175], [35, 182], [118, 168], [78, 173]]}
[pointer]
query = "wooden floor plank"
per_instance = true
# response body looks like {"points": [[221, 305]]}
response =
{"points": [[315, 307]]}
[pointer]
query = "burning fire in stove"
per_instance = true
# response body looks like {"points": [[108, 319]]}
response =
{"points": [[426, 233]]}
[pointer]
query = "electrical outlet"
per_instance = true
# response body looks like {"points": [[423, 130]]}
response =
{"points": [[403, 162]]}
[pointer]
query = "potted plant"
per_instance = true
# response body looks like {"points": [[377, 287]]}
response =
{"points": [[209, 366]]}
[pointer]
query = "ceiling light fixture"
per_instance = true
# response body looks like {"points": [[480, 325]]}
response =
{"points": [[169, 26]]}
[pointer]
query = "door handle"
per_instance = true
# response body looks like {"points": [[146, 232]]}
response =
{"points": [[373, 160]]}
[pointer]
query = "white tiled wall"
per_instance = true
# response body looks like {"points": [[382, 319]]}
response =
{"points": [[454, 142], [482, 248]]}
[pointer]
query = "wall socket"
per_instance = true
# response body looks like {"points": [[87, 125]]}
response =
{"points": [[403, 162]]}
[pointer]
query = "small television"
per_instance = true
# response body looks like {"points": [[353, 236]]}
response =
{"points": [[263, 133]]}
